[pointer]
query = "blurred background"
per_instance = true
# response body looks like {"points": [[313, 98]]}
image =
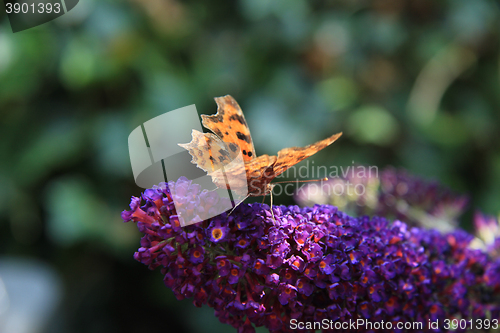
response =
{"points": [[414, 84]]}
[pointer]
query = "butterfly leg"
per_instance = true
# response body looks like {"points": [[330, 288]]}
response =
{"points": [[246, 197], [272, 212]]}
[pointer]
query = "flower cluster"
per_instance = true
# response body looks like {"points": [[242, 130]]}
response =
{"points": [[392, 194], [310, 264]]}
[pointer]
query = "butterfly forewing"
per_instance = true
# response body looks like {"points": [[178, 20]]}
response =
{"points": [[288, 157], [230, 125]]}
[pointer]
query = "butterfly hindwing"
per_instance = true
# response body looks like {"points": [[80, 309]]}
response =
{"points": [[208, 151], [230, 125]]}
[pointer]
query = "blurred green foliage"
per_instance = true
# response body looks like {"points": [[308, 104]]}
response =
{"points": [[413, 84]]}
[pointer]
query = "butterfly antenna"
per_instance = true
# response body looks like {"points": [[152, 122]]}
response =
{"points": [[239, 203], [303, 181]]}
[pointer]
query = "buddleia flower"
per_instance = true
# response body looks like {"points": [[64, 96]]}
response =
{"points": [[311, 264]]}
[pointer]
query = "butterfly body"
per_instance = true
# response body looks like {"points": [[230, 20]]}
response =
{"points": [[231, 141]]}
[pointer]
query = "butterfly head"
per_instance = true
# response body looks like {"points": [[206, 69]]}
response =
{"points": [[269, 189]]}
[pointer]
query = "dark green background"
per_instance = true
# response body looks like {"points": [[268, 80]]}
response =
{"points": [[414, 84]]}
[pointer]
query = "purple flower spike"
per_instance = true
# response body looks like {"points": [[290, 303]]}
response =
{"points": [[314, 263]]}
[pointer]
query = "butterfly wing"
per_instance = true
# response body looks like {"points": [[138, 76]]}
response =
{"points": [[212, 155], [290, 156], [208, 151], [230, 125], [223, 155]]}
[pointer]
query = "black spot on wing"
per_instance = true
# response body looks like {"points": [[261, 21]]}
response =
{"points": [[216, 118], [250, 154], [233, 147], [244, 152], [243, 137], [223, 152], [218, 132], [238, 118]]}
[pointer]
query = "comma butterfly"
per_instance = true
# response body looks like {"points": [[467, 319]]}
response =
{"points": [[213, 152]]}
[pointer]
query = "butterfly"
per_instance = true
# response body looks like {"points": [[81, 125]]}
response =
{"points": [[230, 141]]}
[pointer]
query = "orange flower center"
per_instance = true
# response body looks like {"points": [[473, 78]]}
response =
{"points": [[217, 233]]}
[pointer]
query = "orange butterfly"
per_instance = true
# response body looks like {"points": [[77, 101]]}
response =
{"points": [[213, 153]]}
